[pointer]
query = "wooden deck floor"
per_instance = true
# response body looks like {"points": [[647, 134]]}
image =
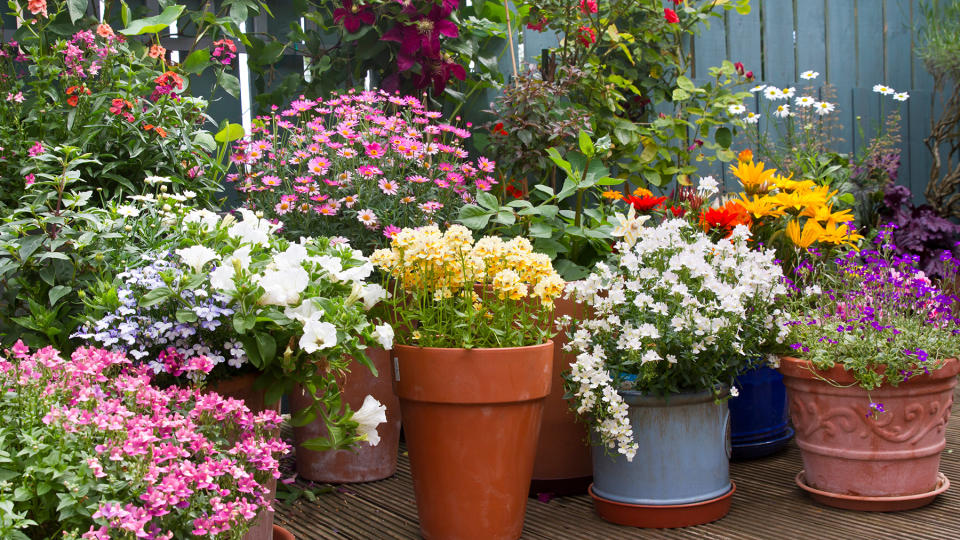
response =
{"points": [[767, 505]]}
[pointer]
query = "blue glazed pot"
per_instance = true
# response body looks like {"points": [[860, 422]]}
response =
{"points": [[683, 454], [759, 419]]}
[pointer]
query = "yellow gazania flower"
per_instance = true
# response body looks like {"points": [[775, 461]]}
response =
{"points": [[799, 200], [753, 177], [810, 234], [789, 184], [826, 216], [760, 207], [839, 234], [612, 195]]}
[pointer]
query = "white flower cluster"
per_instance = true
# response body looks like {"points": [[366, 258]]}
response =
{"points": [[676, 299]]}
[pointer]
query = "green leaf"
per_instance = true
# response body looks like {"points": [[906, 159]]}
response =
{"points": [[155, 296], [653, 177], [303, 417], [153, 25], [250, 347], [58, 292], [541, 230], [685, 83], [586, 145], [197, 61], [230, 84], [230, 133], [724, 137], [125, 14], [186, 316], [847, 198], [474, 217], [77, 9], [266, 346], [506, 217], [488, 201], [679, 94]]}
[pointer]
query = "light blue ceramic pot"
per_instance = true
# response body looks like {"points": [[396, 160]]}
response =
{"points": [[683, 454]]}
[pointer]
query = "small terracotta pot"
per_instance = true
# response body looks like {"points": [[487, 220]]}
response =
{"points": [[471, 420], [367, 463], [279, 533], [242, 388], [846, 452], [563, 465]]}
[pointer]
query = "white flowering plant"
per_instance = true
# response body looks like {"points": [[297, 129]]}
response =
{"points": [[675, 311], [298, 313]]}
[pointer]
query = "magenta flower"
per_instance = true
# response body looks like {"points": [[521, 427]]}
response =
{"points": [[353, 16]]}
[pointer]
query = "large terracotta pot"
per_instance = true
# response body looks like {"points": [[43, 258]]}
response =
{"points": [[471, 419], [242, 388], [852, 454], [367, 463], [563, 465]]}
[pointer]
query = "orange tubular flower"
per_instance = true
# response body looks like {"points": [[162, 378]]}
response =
{"points": [[725, 218], [147, 127], [160, 131]]}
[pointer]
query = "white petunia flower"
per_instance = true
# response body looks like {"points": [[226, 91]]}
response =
{"points": [[383, 333], [809, 75], [317, 335], [370, 415], [197, 256], [283, 287], [372, 294]]}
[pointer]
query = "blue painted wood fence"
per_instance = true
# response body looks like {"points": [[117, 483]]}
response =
{"points": [[853, 44]]}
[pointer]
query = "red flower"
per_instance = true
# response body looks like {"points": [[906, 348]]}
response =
{"points": [[645, 203], [72, 89], [498, 129], [678, 211], [73, 100], [725, 218], [749, 75], [586, 35], [671, 16], [539, 25], [588, 6], [739, 67], [353, 16]]}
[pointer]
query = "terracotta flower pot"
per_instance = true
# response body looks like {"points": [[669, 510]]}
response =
{"points": [[242, 388], [279, 533], [563, 465], [471, 419], [852, 454], [367, 463]]}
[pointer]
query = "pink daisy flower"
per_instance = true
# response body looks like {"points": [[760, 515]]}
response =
{"points": [[391, 230], [389, 187]]}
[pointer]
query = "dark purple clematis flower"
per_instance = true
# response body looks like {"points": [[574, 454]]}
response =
{"points": [[353, 16], [438, 73], [422, 34]]}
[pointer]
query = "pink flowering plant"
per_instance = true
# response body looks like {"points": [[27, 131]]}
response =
{"points": [[91, 449], [233, 290], [361, 165]]}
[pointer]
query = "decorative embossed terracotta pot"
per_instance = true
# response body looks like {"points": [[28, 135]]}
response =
{"points": [[849, 455]]}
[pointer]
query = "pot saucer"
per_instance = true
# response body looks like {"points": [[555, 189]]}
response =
{"points": [[759, 449], [663, 516], [874, 504]]}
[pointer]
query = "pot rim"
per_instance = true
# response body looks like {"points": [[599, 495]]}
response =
{"points": [[801, 368], [447, 349], [641, 399]]}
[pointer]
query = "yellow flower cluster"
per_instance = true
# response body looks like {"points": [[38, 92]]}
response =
{"points": [[450, 262], [806, 206]]}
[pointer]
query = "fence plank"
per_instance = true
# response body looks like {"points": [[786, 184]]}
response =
{"points": [[869, 31], [918, 128], [778, 42], [841, 45], [709, 47], [743, 40], [812, 37], [922, 80]]}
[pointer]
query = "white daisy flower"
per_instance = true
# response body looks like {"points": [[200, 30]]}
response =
{"points": [[367, 217], [882, 89], [736, 109], [901, 96], [752, 118], [773, 93], [824, 107], [782, 111], [758, 88], [127, 210], [809, 75], [805, 101], [788, 92]]}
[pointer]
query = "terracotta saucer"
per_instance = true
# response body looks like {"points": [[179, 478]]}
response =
{"points": [[667, 516], [874, 504]]}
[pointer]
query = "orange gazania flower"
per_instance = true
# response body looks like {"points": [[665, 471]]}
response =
{"points": [[745, 155], [644, 203], [725, 218]]}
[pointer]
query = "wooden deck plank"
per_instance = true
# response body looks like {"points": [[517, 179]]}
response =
{"points": [[767, 505]]}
